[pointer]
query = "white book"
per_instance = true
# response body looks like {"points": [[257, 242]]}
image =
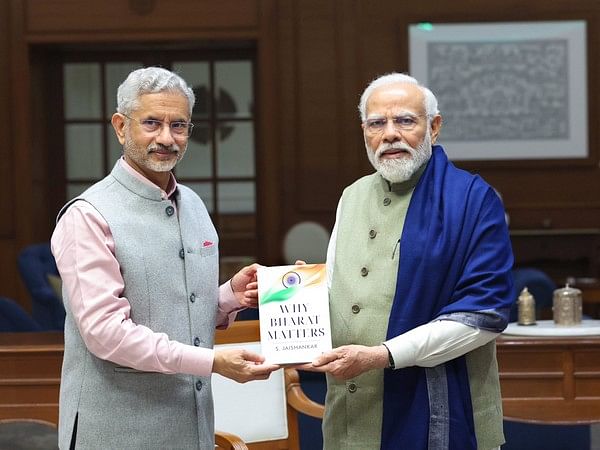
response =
{"points": [[294, 313]]}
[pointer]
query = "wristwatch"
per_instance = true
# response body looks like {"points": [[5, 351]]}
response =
{"points": [[390, 357]]}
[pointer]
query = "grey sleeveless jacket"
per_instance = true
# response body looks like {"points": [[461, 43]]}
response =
{"points": [[171, 282]]}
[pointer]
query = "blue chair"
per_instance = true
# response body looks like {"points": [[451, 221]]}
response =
{"points": [[35, 263], [539, 284], [13, 318]]}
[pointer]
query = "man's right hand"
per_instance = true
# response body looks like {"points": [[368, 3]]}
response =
{"points": [[242, 365]]}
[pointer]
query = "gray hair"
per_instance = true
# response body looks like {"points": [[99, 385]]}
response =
{"points": [[431, 104], [151, 80]]}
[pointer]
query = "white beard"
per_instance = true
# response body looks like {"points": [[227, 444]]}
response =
{"points": [[142, 156], [400, 169]]}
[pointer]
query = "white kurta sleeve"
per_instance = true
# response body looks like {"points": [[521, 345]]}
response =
{"points": [[435, 343]]}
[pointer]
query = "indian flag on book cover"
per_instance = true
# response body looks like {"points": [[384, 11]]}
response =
{"points": [[294, 313]]}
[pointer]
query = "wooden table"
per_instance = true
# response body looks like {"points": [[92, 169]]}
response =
{"points": [[550, 379], [30, 365], [544, 380]]}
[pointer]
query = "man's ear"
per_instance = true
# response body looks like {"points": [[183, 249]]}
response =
{"points": [[118, 123], [436, 126]]}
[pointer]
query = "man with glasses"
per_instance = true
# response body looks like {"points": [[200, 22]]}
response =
{"points": [[419, 268], [138, 256]]}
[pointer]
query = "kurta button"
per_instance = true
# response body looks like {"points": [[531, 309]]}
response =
{"points": [[170, 211], [198, 385], [181, 254], [192, 298], [364, 271], [372, 234], [387, 201], [197, 341], [352, 388], [355, 309]]}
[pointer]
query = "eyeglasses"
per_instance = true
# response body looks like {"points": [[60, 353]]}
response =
{"points": [[400, 123], [177, 128]]}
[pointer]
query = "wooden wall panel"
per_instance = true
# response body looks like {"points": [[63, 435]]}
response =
{"points": [[269, 217], [319, 125], [46, 165], [316, 54], [6, 160], [9, 277], [350, 84], [561, 253], [149, 16], [283, 203], [23, 215], [575, 215]]}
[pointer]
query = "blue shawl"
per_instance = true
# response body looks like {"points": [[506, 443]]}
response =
{"points": [[455, 264]]}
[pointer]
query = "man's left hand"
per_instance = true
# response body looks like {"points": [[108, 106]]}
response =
{"points": [[245, 286], [349, 361]]}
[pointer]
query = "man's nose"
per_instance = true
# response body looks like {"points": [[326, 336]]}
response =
{"points": [[165, 136], [390, 132]]}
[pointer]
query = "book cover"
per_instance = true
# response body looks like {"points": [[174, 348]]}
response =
{"points": [[294, 313]]}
